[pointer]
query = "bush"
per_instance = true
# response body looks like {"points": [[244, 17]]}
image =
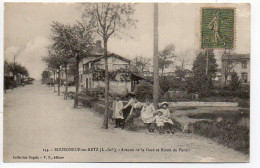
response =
{"points": [[144, 91], [242, 103], [235, 82], [204, 93], [228, 133], [241, 93]]}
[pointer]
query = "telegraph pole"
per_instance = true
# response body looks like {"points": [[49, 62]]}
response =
{"points": [[207, 62], [155, 58]]}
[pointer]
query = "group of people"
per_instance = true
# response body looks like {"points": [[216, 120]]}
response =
{"points": [[160, 119]]}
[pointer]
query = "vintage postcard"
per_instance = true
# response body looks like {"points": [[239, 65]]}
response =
{"points": [[127, 82]]}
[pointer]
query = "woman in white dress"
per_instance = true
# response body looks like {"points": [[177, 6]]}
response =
{"points": [[147, 113]]}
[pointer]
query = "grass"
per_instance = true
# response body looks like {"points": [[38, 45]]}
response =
{"points": [[229, 130], [186, 108]]}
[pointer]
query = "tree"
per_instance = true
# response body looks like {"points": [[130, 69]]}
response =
{"points": [[183, 60], [108, 19], [142, 63], [18, 71], [235, 82], [74, 43], [45, 76], [181, 73], [7, 67], [58, 38], [228, 68], [202, 81], [166, 57], [53, 63]]}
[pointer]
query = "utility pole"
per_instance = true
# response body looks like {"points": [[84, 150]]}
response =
{"points": [[207, 62], [155, 59]]}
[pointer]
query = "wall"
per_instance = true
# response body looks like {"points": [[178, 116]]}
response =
{"points": [[113, 64], [238, 69]]}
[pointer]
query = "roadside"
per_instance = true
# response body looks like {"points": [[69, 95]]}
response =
{"points": [[35, 118]]}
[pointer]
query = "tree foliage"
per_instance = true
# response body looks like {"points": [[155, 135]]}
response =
{"points": [[142, 63], [107, 19], [181, 73], [166, 57], [235, 82], [202, 81], [70, 43], [45, 75], [15, 69]]}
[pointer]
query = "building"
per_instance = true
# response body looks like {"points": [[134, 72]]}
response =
{"points": [[70, 77], [92, 71], [239, 63]]}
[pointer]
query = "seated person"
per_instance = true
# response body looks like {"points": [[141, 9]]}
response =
{"points": [[159, 121], [168, 123]]}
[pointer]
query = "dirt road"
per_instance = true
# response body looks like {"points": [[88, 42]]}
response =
{"points": [[37, 122]]}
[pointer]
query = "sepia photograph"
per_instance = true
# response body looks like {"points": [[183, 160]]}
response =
{"points": [[126, 82]]}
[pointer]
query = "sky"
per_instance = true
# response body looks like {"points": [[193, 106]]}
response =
{"points": [[27, 30]]}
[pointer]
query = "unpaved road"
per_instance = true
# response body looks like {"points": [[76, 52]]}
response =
{"points": [[35, 118]]}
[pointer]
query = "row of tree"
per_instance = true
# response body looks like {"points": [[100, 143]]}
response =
{"points": [[15, 69], [70, 43], [204, 68], [15, 74], [167, 58]]}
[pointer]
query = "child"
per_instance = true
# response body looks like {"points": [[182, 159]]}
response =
{"points": [[167, 115], [159, 121], [117, 111], [147, 114]]}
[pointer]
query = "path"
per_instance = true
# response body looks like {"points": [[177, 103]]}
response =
{"points": [[35, 118]]}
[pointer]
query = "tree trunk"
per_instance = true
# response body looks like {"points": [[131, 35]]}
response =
{"points": [[66, 86], [162, 71], [105, 122], [76, 101], [54, 81], [59, 81]]}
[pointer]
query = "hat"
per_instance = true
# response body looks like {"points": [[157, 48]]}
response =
{"points": [[164, 103]]}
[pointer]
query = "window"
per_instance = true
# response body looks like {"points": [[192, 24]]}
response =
{"points": [[244, 77], [244, 64]]}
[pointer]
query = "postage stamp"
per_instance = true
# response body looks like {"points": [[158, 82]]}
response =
{"points": [[218, 28]]}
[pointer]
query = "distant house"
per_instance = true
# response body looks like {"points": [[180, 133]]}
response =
{"points": [[92, 71], [239, 63], [63, 75]]}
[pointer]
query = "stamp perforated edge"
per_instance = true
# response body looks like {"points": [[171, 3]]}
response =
{"points": [[234, 33]]}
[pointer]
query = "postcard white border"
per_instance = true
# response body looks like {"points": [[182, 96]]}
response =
{"points": [[255, 105]]}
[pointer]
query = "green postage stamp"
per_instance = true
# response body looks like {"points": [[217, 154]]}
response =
{"points": [[218, 28]]}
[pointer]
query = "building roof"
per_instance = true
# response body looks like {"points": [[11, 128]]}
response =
{"points": [[109, 55], [236, 56], [97, 52]]}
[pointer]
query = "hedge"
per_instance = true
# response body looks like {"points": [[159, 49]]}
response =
{"points": [[228, 133]]}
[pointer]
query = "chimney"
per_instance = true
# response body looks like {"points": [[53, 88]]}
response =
{"points": [[98, 43]]}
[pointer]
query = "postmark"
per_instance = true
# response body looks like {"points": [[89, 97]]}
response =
{"points": [[217, 28]]}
